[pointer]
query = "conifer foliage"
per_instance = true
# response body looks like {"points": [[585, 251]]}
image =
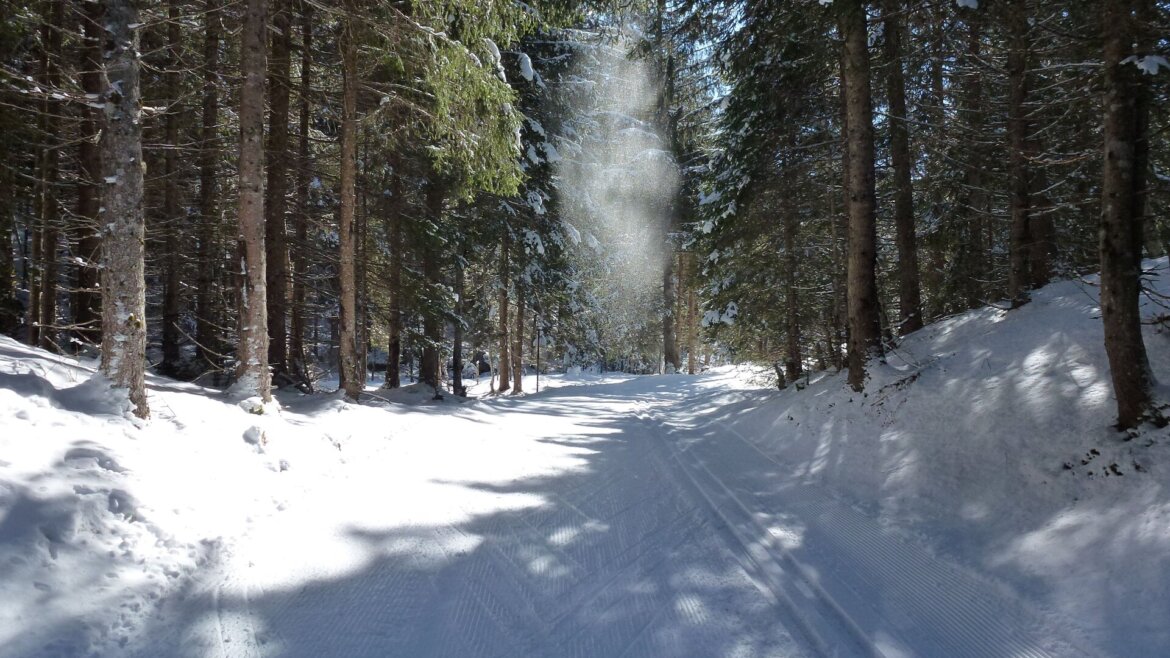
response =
{"points": [[280, 193]]}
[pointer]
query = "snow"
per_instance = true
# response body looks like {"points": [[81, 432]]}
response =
{"points": [[1148, 64], [526, 67], [973, 501]]}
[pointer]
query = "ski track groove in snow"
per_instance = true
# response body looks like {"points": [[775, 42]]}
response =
{"points": [[933, 608]]}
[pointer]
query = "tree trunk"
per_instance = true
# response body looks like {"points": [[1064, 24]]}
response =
{"points": [[296, 341], [87, 298], [1019, 171], [909, 294], [1123, 191], [934, 278], [518, 342], [50, 172], [792, 360], [431, 364], [9, 316], [457, 343], [361, 290], [123, 281], [351, 380], [207, 308], [974, 251], [670, 354], [275, 243], [692, 319], [505, 367], [397, 246], [172, 221], [1041, 228], [252, 353], [864, 321]]}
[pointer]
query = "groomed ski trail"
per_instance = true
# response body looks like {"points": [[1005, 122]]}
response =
{"points": [[856, 586], [655, 536]]}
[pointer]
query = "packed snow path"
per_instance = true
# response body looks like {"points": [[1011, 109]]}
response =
{"points": [[602, 521]]}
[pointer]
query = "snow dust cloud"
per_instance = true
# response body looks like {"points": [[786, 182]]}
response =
{"points": [[617, 187]]}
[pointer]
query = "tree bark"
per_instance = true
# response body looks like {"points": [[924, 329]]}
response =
{"points": [[397, 246], [909, 293], [973, 252], [505, 367], [692, 319], [863, 315], [792, 359], [518, 342], [352, 381], [252, 353], [934, 278], [9, 315], [50, 172], [172, 222], [1123, 191], [276, 243], [87, 298], [431, 364], [300, 264], [1019, 169], [457, 342], [207, 308], [123, 281]]}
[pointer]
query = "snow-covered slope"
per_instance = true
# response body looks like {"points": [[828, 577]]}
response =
{"points": [[988, 437], [974, 501]]}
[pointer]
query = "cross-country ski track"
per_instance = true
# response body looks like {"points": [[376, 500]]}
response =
{"points": [[652, 534]]}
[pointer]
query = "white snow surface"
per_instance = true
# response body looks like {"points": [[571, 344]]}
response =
{"points": [[607, 515]]}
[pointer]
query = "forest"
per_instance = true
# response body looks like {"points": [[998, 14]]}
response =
{"points": [[308, 193]]}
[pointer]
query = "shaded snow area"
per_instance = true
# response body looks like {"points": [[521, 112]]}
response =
{"points": [[973, 502]]}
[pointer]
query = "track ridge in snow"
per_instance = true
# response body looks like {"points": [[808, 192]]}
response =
{"points": [[814, 613], [893, 596]]}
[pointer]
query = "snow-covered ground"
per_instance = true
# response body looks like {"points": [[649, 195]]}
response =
{"points": [[973, 502]]}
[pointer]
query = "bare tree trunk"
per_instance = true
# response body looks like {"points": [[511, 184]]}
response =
{"points": [[397, 246], [50, 172], [9, 316], [934, 278], [864, 320], [87, 298], [252, 352], [430, 365], [680, 305], [909, 293], [505, 367], [1123, 191], [670, 356], [457, 343], [518, 342], [206, 333], [122, 275], [1040, 225], [974, 253], [692, 320], [300, 264], [172, 221], [1019, 171], [276, 244], [361, 290], [351, 380], [792, 360]]}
